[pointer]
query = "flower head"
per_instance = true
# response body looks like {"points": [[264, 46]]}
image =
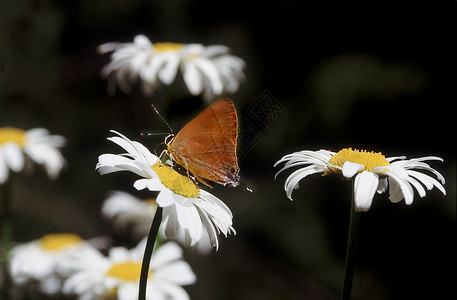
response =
{"points": [[372, 172], [39, 261], [206, 70], [95, 276], [189, 213], [36, 143]]}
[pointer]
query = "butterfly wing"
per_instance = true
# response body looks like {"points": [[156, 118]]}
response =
{"points": [[206, 146]]}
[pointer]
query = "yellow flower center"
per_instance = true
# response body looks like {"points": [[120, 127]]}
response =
{"points": [[176, 182], [128, 271], [162, 47], [55, 242], [369, 160], [9, 134]]}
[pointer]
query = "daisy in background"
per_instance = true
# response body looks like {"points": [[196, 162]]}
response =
{"points": [[126, 210], [129, 212], [372, 173], [37, 144], [38, 262], [94, 276], [190, 214], [207, 70]]}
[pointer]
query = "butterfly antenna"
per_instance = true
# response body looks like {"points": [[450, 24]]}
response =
{"points": [[160, 116], [150, 133]]}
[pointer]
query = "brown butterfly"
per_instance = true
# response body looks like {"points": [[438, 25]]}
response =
{"points": [[206, 146]]}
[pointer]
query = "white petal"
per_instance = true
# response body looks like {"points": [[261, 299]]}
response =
{"points": [[395, 194], [350, 169], [210, 71], [165, 198], [167, 253], [4, 171], [208, 197], [365, 186], [170, 221], [216, 212], [178, 272], [189, 219], [168, 72], [171, 290], [428, 181], [148, 73], [382, 186], [292, 181], [109, 163], [192, 78], [403, 186], [13, 156], [142, 41], [128, 291]]}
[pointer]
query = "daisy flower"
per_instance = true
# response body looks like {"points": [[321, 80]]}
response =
{"points": [[189, 213], [36, 143], [210, 70], [39, 261], [372, 172], [94, 276]]}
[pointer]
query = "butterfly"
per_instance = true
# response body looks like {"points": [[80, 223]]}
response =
{"points": [[206, 146]]}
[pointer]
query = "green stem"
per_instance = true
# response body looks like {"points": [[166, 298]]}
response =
{"points": [[351, 251], [148, 253]]}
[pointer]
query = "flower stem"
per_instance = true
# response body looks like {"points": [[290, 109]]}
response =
{"points": [[148, 253], [351, 251]]}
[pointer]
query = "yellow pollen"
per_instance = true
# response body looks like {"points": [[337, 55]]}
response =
{"points": [[9, 134], [162, 47], [369, 160], [128, 271], [176, 182], [55, 242]]}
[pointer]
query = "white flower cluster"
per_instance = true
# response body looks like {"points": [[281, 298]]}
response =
{"points": [[66, 264], [210, 71], [37, 144]]}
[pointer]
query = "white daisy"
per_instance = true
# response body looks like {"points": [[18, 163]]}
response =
{"points": [[189, 213], [210, 70], [39, 261], [36, 143], [372, 171], [93, 276]]}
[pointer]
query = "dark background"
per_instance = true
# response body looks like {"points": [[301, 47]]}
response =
{"points": [[378, 77]]}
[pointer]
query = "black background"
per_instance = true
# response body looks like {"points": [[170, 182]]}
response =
{"points": [[377, 76]]}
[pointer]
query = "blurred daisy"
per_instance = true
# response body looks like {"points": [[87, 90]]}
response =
{"points": [[39, 261], [372, 171], [189, 213], [94, 276], [126, 210], [36, 143], [210, 70]]}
